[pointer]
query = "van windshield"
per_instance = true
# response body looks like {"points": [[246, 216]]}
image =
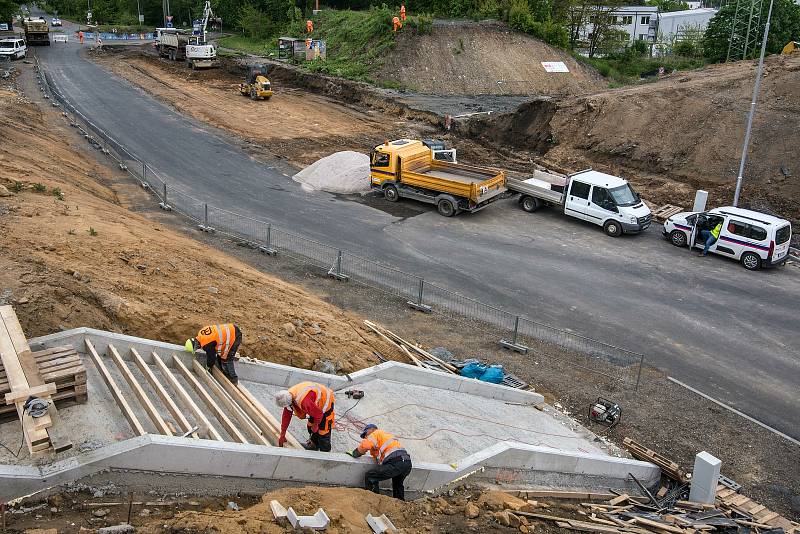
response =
{"points": [[624, 195]]}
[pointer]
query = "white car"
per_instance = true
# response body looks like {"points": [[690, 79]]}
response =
{"points": [[13, 48], [751, 237], [55, 22]]}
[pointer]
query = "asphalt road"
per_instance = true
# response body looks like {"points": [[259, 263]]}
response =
{"points": [[728, 332]]}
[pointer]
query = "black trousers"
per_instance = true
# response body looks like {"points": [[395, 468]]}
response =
{"points": [[397, 471], [322, 442], [226, 365]]}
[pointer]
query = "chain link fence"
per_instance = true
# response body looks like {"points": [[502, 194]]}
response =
{"points": [[512, 331]]}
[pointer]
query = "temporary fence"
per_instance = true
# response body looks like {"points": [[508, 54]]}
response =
{"points": [[513, 331]]}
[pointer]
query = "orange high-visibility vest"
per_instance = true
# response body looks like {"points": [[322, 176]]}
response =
{"points": [[403, 12], [380, 444], [301, 390], [223, 334]]}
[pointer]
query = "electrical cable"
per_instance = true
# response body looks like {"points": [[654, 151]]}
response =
{"points": [[22, 444]]}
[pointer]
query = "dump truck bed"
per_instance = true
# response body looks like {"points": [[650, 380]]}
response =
{"points": [[460, 180]]}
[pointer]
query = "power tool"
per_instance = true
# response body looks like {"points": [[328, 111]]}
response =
{"points": [[605, 412], [354, 394]]}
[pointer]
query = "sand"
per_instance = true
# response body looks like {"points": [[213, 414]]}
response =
{"points": [[344, 172]]}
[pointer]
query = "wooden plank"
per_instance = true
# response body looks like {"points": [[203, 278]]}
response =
{"points": [[173, 409], [206, 428], [42, 391], [58, 433], [230, 405], [11, 321], [226, 423], [138, 390], [273, 421], [267, 431], [116, 392], [619, 500], [656, 524]]}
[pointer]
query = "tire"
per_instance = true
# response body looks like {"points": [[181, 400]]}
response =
{"points": [[530, 204], [751, 261], [678, 238], [612, 228], [445, 208], [390, 193], [253, 94]]}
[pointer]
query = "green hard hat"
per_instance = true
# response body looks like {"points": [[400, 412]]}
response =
{"points": [[189, 346]]}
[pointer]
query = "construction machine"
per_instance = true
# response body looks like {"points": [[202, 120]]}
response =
{"points": [[791, 46], [257, 86]]}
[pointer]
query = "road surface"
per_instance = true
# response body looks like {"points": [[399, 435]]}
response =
{"points": [[730, 333]]}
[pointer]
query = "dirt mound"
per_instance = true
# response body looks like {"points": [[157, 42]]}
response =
{"points": [[87, 261], [483, 58], [528, 127]]}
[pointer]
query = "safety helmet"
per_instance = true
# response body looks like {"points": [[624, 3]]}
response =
{"points": [[283, 398], [189, 345], [367, 429]]}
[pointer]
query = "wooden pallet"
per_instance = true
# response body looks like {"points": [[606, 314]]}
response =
{"points": [[662, 213], [668, 467], [730, 500]]}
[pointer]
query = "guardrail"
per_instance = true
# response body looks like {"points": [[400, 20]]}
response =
{"points": [[513, 331]]}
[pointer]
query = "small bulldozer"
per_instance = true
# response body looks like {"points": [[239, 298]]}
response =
{"points": [[257, 85]]}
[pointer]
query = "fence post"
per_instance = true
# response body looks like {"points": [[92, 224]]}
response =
{"points": [[513, 345], [639, 374], [336, 270], [267, 248], [419, 305], [165, 205], [205, 227]]}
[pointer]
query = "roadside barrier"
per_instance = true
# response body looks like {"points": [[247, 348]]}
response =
{"points": [[511, 330]]}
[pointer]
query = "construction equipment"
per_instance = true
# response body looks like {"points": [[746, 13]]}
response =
{"points": [[36, 31], [605, 412], [194, 48], [791, 46], [354, 394], [257, 86]]}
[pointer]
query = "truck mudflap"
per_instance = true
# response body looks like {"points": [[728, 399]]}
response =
{"points": [[479, 206]]}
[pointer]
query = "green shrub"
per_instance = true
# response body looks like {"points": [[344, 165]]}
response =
{"points": [[39, 188], [57, 193], [17, 186]]}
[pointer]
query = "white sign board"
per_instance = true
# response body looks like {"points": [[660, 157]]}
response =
{"points": [[554, 66]]}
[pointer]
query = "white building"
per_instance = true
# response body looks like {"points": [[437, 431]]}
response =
{"points": [[672, 26], [695, 5]]}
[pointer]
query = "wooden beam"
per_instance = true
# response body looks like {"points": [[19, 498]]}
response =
{"points": [[187, 400], [116, 392], [137, 389], [162, 393], [290, 439], [229, 427], [42, 391], [9, 317], [229, 404], [267, 430]]}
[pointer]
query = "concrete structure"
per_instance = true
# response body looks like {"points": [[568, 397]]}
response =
{"points": [[673, 27], [705, 478], [452, 426], [633, 20]]}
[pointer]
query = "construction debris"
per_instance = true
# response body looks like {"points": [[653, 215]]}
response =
{"points": [[380, 524], [318, 521], [668, 467]]}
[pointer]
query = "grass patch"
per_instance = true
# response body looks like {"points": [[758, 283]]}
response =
{"points": [[249, 45], [626, 69]]}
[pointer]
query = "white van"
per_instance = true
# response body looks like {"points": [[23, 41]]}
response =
{"points": [[13, 48], [755, 239]]}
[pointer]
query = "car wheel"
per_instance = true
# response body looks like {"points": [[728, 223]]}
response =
{"points": [[391, 194], [751, 261], [530, 204], [446, 208], [677, 238], [613, 228]]}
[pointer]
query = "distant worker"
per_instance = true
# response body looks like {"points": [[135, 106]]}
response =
{"points": [[314, 402], [403, 12], [309, 42], [710, 237], [396, 24], [309, 26], [80, 36], [393, 460], [220, 342]]}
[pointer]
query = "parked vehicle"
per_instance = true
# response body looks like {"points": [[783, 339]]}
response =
{"points": [[407, 168], [602, 199], [753, 238], [55, 22], [14, 48], [36, 31]]}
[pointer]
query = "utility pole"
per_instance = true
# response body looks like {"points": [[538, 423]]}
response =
{"points": [[754, 100]]}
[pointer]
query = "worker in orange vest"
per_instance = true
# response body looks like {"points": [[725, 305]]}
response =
{"points": [[80, 36], [403, 12], [393, 460], [396, 24], [220, 343], [309, 26], [312, 401]]}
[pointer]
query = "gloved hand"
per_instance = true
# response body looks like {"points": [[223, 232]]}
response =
{"points": [[350, 453], [281, 441]]}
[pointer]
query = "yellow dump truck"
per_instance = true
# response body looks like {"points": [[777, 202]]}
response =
{"points": [[408, 168]]}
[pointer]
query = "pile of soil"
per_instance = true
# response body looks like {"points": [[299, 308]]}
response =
{"points": [[345, 172], [464, 58], [84, 260]]}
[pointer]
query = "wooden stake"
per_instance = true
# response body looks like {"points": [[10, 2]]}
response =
{"points": [[137, 389], [290, 439]]}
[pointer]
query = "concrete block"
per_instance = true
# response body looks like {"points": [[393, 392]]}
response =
{"points": [[122, 528], [380, 524], [704, 478], [318, 521], [700, 199], [279, 512]]}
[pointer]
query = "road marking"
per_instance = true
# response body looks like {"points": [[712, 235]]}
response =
{"points": [[734, 410]]}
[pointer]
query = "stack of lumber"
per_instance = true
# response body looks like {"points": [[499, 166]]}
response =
{"points": [[668, 467], [417, 355], [24, 380], [662, 213], [61, 366], [729, 500]]}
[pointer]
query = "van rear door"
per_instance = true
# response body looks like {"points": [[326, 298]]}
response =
{"points": [[783, 237]]}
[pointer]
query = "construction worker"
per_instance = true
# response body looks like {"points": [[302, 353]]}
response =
{"points": [[403, 12], [309, 26], [393, 460], [80, 36], [710, 237], [396, 24], [220, 342], [313, 401]]}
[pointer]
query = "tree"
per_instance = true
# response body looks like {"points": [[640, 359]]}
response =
{"points": [[784, 27], [665, 6], [8, 8]]}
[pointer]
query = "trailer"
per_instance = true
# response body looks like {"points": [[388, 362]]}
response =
{"points": [[602, 199], [407, 168]]}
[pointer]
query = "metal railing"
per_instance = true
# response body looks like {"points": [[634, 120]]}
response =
{"points": [[511, 330]]}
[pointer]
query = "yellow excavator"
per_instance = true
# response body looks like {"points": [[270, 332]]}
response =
{"points": [[791, 46], [257, 86]]}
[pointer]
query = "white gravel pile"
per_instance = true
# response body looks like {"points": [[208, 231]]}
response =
{"points": [[342, 172]]}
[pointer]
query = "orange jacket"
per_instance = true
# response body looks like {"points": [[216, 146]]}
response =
{"points": [[379, 444], [300, 391], [222, 334]]}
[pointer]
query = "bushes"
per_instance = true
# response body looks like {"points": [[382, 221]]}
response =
{"points": [[521, 18]]}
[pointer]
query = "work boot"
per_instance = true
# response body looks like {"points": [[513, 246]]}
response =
{"points": [[310, 446]]}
